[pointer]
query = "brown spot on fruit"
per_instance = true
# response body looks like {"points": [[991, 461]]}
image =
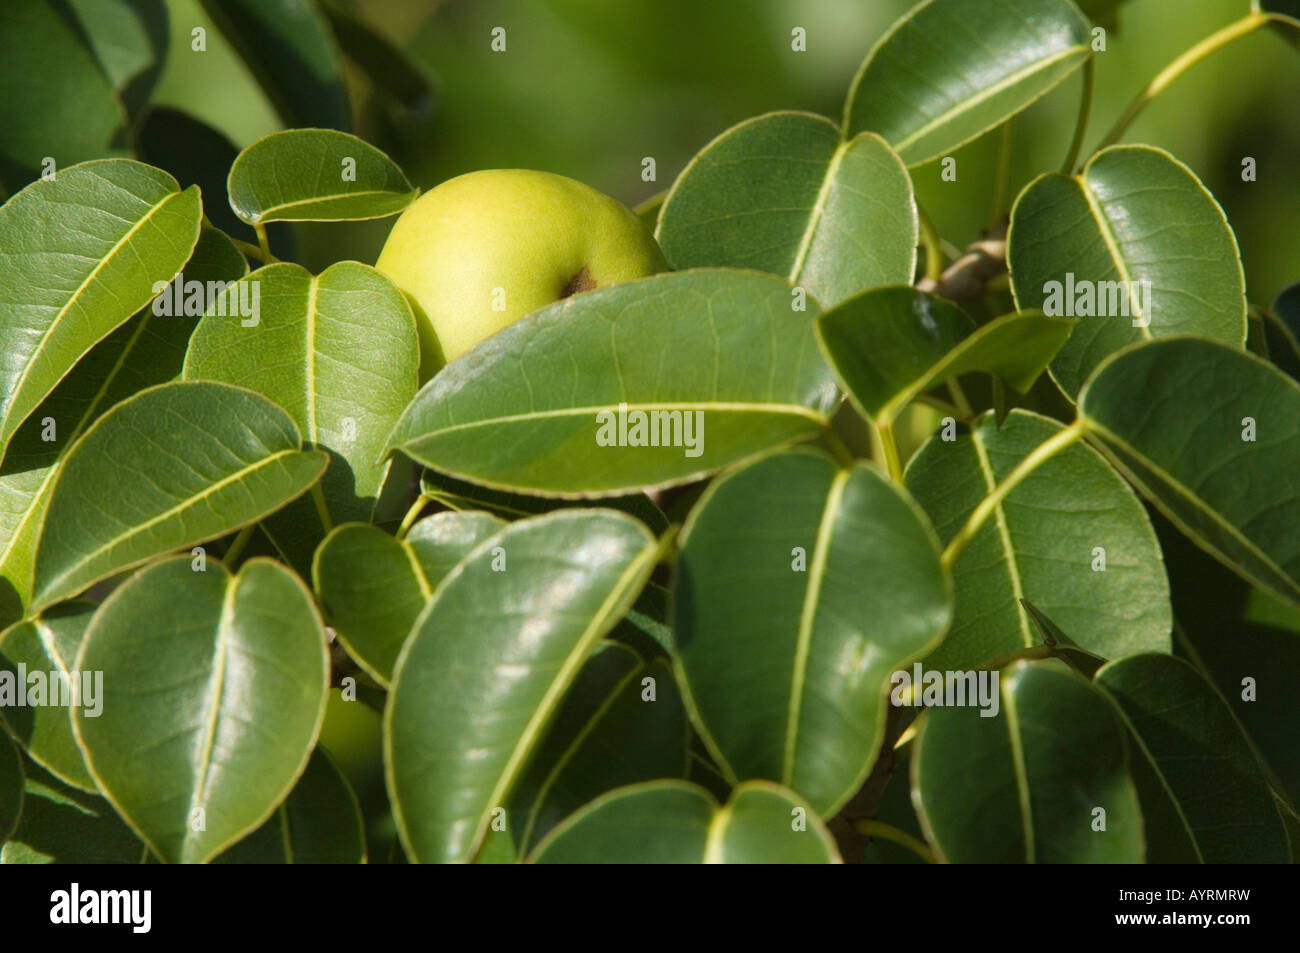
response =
{"points": [[579, 282]]}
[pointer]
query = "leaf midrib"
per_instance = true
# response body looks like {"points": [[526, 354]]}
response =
{"points": [[559, 685], [310, 361], [216, 689], [188, 503], [364, 193], [803, 642], [1112, 247], [1182, 491], [987, 94], [1004, 534], [562, 762], [77, 431], [797, 410], [16, 390], [1021, 772], [1155, 767], [818, 208]]}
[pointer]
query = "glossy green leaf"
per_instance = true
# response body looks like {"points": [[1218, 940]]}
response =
{"points": [[953, 69], [386, 64], [1025, 786], [674, 822], [338, 351], [288, 47], [11, 785], [498, 848], [214, 692], [372, 586], [459, 495], [319, 823], [55, 100], [315, 175], [703, 771], [536, 407], [890, 345], [78, 256], [217, 458], [464, 714], [149, 349], [1133, 215], [799, 588], [1041, 544], [645, 628], [48, 643], [613, 728], [1204, 798], [782, 193], [1070, 652], [129, 39], [63, 825], [1184, 446], [1255, 668], [1282, 330]]}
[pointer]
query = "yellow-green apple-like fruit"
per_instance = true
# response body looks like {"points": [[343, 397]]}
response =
{"points": [[478, 252]]}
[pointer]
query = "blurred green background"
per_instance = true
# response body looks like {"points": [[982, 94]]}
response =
{"points": [[587, 88]]}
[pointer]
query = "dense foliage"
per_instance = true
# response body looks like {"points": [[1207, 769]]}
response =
{"points": [[688, 568]]}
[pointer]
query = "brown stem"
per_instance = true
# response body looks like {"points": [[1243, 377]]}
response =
{"points": [[864, 805], [967, 278]]}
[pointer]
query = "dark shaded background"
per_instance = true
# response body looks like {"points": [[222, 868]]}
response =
{"points": [[588, 87]]}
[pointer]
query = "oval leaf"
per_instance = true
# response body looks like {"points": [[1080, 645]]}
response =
{"points": [[48, 643], [64, 825], [61, 105], [621, 723], [1219, 458], [674, 822], [129, 39], [319, 823], [338, 351], [798, 590], [289, 49], [782, 193], [559, 403], [372, 587], [1204, 798], [385, 63], [197, 667], [1024, 785], [890, 345], [149, 349], [528, 604], [315, 175], [1135, 247], [78, 256], [217, 459], [1255, 668], [1041, 544], [953, 69]]}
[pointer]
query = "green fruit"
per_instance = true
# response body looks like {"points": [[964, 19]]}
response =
{"points": [[481, 250]]}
